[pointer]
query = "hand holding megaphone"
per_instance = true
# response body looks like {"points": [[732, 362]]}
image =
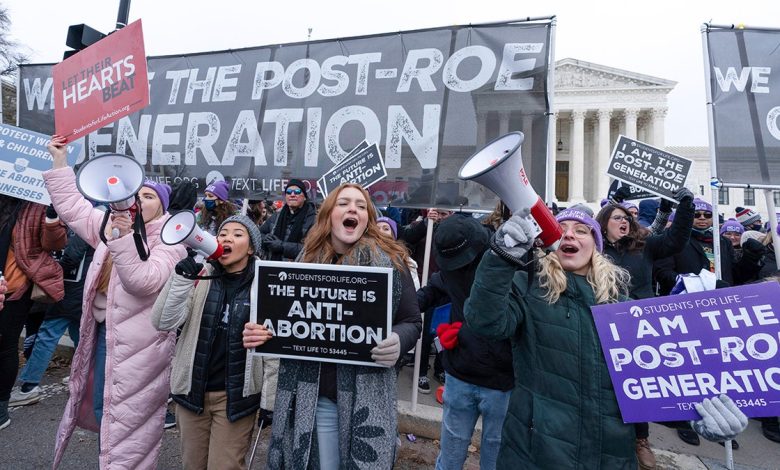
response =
{"points": [[121, 224], [182, 228]]}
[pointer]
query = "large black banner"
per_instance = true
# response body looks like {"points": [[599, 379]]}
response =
{"points": [[259, 116], [318, 312], [744, 69]]}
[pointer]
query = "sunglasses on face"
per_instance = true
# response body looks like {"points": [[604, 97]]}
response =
{"points": [[702, 215], [292, 191], [618, 218]]}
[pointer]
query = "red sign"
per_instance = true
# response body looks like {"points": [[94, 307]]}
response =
{"points": [[101, 84]]}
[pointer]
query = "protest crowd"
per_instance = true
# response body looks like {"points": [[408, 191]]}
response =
{"points": [[177, 327]]}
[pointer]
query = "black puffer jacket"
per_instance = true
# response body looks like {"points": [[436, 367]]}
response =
{"points": [[639, 263], [476, 359], [692, 259], [75, 251], [238, 406]]}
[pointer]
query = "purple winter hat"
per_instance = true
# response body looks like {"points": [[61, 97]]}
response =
{"points": [[702, 205], [391, 223], [219, 189], [629, 205], [732, 226], [163, 192], [583, 218]]}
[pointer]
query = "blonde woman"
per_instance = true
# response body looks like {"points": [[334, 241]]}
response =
{"points": [[563, 412]]}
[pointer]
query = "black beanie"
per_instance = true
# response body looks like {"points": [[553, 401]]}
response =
{"points": [[300, 184]]}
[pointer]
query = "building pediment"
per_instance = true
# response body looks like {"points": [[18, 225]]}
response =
{"points": [[578, 74]]}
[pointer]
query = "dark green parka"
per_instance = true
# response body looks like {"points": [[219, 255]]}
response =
{"points": [[563, 412]]}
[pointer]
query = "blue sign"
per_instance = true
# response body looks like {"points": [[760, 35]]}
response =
{"points": [[23, 158]]}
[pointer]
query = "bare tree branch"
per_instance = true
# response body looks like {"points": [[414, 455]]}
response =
{"points": [[11, 52]]}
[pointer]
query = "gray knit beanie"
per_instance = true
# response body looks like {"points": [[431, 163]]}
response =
{"points": [[251, 227]]}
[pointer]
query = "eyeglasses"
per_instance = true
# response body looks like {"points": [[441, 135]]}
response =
{"points": [[579, 231], [702, 215], [618, 218], [292, 191]]}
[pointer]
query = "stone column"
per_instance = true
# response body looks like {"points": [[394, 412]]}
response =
{"points": [[552, 146], [630, 115], [577, 157], [503, 122], [527, 149], [481, 129], [658, 116], [602, 153]]}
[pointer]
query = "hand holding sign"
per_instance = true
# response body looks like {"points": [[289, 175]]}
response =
{"points": [[388, 351], [58, 151], [255, 335], [720, 419]]}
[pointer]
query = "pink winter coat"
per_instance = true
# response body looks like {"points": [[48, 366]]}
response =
{"points": [[138, 357]]}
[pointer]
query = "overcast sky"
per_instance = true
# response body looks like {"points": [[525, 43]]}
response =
{"points": [[660, 38]]}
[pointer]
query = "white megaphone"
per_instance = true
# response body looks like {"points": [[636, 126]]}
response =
{"points": [[499, 167], [181, 228], [111, 178]]}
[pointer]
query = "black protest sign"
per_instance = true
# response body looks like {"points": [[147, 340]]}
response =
{"points": [[360, 147], [256, 117], [649, 168], [322, 312], [636, 193], [364, 168]]}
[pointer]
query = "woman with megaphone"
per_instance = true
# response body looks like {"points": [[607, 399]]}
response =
{"points": [[119, 374], [563, 412], [217, 387]]}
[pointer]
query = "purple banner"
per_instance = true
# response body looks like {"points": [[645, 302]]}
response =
{"points": [[668, 353]]}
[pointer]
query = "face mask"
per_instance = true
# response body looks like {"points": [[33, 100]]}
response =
{"points": [[210, 204]]}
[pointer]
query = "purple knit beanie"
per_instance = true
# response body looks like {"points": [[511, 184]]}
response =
{"points": [[391, 223], [163, 192], [732, 226], [583, 218], [219, 188]]}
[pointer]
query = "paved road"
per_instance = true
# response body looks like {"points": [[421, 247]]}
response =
{"points": [[28, 443]]}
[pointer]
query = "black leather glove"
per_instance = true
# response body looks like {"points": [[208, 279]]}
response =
{"points": [[50, 212], [267, 241], [620, 195], [265, 419], [188, 268], [753, 250]]}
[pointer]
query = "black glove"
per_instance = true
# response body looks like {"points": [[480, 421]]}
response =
{"points": [[276, 246], [50, 212], [666, 206], [620, 195], [684, 195], [265, 418], [753, 250], [267, 241], [188, 268]]}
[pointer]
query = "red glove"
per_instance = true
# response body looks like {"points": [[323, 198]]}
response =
{"points": [[448, 334]]}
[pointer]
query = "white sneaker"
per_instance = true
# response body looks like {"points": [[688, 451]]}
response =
{"points": [[20, 398]]}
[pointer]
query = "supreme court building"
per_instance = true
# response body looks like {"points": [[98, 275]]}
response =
{"points": [[596, 103]]}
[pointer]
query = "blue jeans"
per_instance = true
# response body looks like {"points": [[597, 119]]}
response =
{"points": [[49, 335], [99, 378], [463, 403], [327, 420]]}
